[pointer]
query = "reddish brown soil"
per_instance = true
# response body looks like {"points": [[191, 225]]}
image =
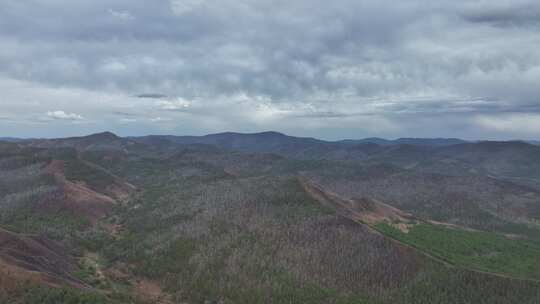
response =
{"points": [[365, 210], [150, 291], [146, 290], [120, 190], [39, 260], [56, 168], [34, 259], [77, 197]]}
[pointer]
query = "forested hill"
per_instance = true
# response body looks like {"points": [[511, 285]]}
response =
{"points": [[268, 218]]}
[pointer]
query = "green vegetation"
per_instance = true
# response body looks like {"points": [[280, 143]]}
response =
{"points": [[58, 225], [33, 294], [61, 226], [173, 260], [45, 295], [258, 238], [483, 251], [448, 285], [211, 226], [197, 224], [77, 170]]}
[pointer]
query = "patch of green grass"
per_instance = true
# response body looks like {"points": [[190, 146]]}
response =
{"points": [[483, 251]]}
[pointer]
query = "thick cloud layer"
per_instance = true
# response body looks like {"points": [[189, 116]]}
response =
{"points": [[331, 69]]}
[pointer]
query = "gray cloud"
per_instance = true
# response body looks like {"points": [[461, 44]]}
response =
{"points": [[372, 67], [506, 14], [152, 95]]}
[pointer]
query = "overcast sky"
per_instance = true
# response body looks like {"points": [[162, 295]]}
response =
{"points": [[328, 69]]}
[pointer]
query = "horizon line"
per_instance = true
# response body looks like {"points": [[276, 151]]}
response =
{"points": [[3, 138]]}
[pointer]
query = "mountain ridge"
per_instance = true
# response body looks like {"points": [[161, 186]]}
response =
{"points": [[420, 141], [139, 215]]}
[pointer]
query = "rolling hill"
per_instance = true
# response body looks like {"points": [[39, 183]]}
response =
{"points": [[268, 218]]}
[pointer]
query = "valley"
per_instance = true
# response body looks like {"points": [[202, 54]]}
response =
{"points": [[268, 218]]}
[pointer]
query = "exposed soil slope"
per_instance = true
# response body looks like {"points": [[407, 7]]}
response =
{"points": [[366, 210], [35, 259], [78, 197]]}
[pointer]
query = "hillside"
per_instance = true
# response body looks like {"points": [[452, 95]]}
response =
{"points": [[515, 161], [267, 218]]}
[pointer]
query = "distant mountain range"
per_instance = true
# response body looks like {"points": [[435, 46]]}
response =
{"points": [[272, 138], [10, 139], [516, 161], [156, 219]]}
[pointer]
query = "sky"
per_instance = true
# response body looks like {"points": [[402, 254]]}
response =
{"points": [[328, 69]]}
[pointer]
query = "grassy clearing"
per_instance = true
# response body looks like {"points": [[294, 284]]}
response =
{"points": [[482, 251]]}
